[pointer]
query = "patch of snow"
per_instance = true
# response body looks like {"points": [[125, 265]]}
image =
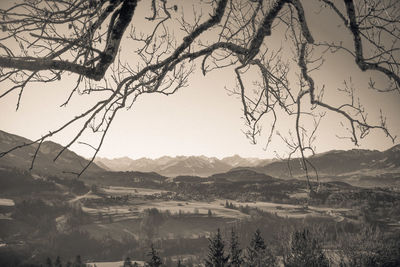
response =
{"points": [[121, 190], [391, 165], [382, 160], [113, 264], [5, 216], [7, 202]]}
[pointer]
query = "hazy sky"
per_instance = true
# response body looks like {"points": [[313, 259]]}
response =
{"points": [[201, 119]]}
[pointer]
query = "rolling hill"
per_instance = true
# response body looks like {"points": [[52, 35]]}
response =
{"points": [[66, 164], [356, 166]]}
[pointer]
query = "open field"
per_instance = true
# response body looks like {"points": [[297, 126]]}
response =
{"points": [[134, 209], [188, 219], [6, 206], [121, 190], [112, 264], [296, 211], [6, 202]]}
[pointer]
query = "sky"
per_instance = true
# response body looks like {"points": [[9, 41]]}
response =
{"points": [[201, 119]]}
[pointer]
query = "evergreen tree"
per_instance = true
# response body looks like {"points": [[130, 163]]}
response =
{"points": [[155, 260], [209, 213], [48, 262], [78, 262], [258, 254], [216, 256], [127, 262], [305, 250], [235, 251], [58, 262]]}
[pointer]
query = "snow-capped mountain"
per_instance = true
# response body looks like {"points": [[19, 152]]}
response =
{"points": [[180, 165]]}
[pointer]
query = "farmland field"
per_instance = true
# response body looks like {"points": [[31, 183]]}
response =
{"points": [[6, 202], [112, 264], [188, 219], [121, 190]]}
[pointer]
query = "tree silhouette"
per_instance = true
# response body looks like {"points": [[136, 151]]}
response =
{"points": [[216, 257], [111, 55], [369, 247], [58, 263], [127, 262], [151, 222], [49, 262], [258, 254], [305, 250], [235, 252], [154, 260], [78, 262]]}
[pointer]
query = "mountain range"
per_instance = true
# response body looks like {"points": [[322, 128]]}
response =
{"points": [[180, 165], [357, 166]]}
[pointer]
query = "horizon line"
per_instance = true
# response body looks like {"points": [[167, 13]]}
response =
{"points": [[243, 157]]}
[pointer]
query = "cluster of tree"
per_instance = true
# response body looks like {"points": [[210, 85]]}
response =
{"points": [[39, 214], [15, 182], [239, 191], [243, 209], [128, 263], [369, 247], [75, 186], [256, 254], [152, 219], [78, 242], [229, 205], [59, 263], [14, 260], [304, 251], [154, 260]]}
